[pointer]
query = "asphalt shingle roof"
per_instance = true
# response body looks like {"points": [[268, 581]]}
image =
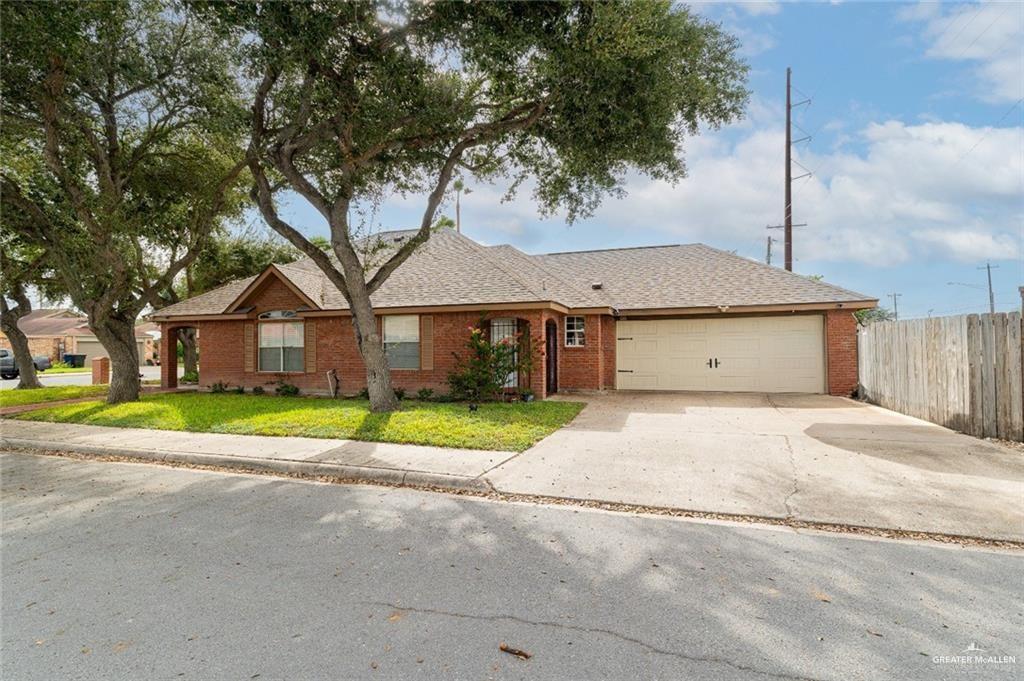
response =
{"points": [[692, 275], [451, 269]]}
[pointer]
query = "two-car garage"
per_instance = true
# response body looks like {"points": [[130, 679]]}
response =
{"points": [[783, 353]]}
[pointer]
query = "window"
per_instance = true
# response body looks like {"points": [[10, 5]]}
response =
{"points": [[502, 329], [282, 346], [574, 337], [402, 341]]}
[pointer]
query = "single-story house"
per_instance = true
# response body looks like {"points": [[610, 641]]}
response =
{"points": [[55, 332], [683, 317]]}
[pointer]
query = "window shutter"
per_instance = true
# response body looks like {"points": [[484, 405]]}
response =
{"points": [[249, 348], [310, 346], [426, 342]]}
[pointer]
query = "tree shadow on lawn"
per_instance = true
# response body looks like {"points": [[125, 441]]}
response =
{"points": [[509, 427], [268, 576]]}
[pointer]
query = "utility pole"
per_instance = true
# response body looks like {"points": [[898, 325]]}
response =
{"points": [[768, 255], [460, 189], [788, 220], [895, 305], [991, 296], [787, 224]]}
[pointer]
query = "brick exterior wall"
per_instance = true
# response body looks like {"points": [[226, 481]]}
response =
{"points": [[841, 352], [591, 367], [44, 345], [222, 355]]}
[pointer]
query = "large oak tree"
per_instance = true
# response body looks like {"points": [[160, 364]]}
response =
{"points": [[130, 107], [352, 100]]}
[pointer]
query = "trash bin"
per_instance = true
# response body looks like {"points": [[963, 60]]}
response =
{"points": [[74, 360]]}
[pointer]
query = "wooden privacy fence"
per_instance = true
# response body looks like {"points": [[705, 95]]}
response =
{"points": [[960, 372]]}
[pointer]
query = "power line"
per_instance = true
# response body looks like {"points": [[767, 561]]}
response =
{"points": [[978, 37], [991, 129]]}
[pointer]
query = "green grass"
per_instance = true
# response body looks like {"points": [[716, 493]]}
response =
{"points": [[16, 398], [65, 370], [510, 427]]}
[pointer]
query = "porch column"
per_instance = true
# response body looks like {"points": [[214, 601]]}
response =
{"points": [[168, 356]]}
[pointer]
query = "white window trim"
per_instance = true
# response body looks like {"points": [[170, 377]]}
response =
{"points": [[259, 338], [385, 341], [582, 328]]}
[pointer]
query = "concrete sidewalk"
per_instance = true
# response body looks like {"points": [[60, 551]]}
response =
{"points": [[376, 461]]}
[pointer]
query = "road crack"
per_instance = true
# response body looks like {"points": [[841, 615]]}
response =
{"points": [[589, 630]]}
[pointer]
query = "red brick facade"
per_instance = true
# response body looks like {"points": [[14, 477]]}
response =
{"points": [[841, 352], [330, 344]]}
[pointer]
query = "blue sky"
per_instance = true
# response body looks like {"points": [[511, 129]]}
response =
{"points": [[917, 152]]}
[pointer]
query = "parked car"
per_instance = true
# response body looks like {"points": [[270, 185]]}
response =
{"points": [[9, 369]]}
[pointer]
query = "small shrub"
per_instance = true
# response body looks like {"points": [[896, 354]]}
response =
{"points": [[59, 364], [219, 387], [526, 395], [286, 389], [446, 397], [239, 390], [483, 372], [258, 390], [400, 393], [190, 377], [363, 394], [424, 394]]}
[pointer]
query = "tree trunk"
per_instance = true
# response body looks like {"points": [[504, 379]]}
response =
{"points": [[190, 353], [19, 345], [371, 347], [118, 339]]}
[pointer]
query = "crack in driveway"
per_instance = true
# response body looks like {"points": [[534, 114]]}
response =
{"points": [[592, 630], [792, 463]]}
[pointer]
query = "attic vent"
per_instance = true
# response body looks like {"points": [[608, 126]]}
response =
{"points": [[597, 286], [399, 239]]}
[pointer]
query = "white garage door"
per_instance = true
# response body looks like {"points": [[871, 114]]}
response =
{"points": [[755, 354], [93, 348]]}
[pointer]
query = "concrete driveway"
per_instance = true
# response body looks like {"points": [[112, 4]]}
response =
{"points": [[807, 457]]}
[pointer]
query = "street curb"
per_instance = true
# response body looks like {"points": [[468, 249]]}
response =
{"points": [[290, 466]]}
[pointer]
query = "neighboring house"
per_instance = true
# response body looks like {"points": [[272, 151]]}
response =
{"points": [[651, 318], [56, 332]]}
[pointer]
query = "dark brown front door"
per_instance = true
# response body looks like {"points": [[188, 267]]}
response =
{"points": [[551, 341]]}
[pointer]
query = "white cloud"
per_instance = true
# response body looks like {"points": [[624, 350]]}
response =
{"points": [[760, 7], [915, 192], [988, 35]]}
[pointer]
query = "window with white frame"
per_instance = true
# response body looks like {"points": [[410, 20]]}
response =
{"points": [[282, 346], [574, 335], [402, 341]]}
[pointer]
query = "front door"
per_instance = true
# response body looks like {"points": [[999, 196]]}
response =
{"points": [[551, 367]]}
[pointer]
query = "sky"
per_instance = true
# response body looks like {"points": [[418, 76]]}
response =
{"points": [[916, 121]]}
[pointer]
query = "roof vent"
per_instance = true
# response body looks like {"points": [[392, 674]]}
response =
{"points": [[597, 286]]}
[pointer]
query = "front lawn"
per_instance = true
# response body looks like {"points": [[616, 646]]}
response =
{"points": [[511, 427], [66, 370], [16, 398]]}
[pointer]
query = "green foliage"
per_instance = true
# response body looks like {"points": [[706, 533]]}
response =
{"points": [[227, 258], [496, 425], [424, 394], [285, 389], [400, 394], [258, 390], [568, 93], [189, 377], [239, 390], [219, 387], [482, 372], [873, 314], [119, 145]]}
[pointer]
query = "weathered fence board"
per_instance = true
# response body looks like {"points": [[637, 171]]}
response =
{"points": [[965, 372]]}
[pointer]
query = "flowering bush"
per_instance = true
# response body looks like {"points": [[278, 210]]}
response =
{"points": [[483, 372]]}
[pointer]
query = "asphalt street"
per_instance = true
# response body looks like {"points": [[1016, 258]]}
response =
{"points": [[132, 571], [48, 379]]}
